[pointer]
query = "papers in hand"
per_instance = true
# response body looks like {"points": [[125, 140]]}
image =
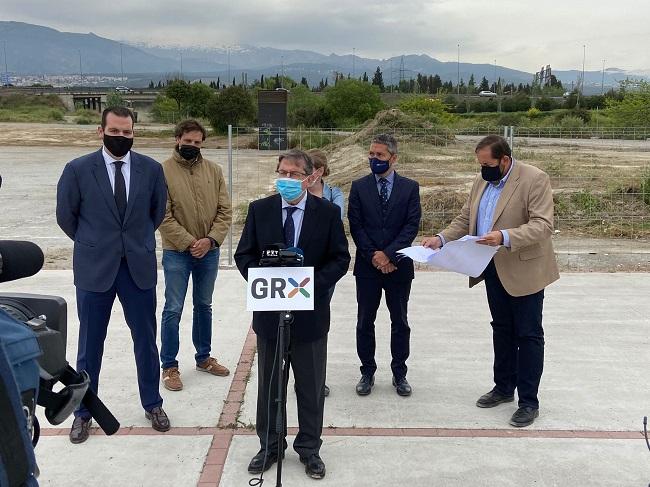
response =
{"points": [[463, 255]]}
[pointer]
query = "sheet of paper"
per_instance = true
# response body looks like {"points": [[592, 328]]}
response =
{"points": [[464, 256]]}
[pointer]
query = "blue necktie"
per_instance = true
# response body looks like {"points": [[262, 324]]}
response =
{"points": [[383, 193], [289, 227]]}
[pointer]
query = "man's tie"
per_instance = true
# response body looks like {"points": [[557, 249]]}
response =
{"points": [[120, 189], [289, 227], [383, 193]]}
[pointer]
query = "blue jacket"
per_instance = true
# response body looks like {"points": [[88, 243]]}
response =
{"points": [[371, 231], [87, 213], [334, 195]]}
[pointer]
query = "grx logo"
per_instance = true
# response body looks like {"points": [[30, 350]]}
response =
{"points": [[298, 287], [262, 288]]}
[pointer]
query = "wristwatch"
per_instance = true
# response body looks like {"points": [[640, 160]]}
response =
{"points": [[214, 243]]}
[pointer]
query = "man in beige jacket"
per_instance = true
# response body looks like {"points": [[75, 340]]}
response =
{"points": [[196, 222], [511, 205]]}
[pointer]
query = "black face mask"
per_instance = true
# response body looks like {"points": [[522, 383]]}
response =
{"points": [[118, 145], [189, 152], [491, 174]]}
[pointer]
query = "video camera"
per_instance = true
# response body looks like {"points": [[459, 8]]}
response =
{"points": [[46, 317], [278, 255]]}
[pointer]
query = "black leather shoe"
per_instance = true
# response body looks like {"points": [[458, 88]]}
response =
{"points": [[80, 430], [402, 386], [257, 463], [364, 386], [326, 391], [159, 419], [493, 398], [314, 466], [524, 416]]}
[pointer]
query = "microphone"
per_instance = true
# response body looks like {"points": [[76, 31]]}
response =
{"points": [[19, 259], [271, 254]]}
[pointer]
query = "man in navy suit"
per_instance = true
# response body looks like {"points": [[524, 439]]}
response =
{"points": [[110, 203], [384, 213]]}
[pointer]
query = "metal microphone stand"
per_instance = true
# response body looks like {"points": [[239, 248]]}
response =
{"points": [[286, 318]]}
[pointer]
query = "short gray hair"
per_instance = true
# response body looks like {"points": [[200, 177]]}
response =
{"points": [[386, 139], [298, 155]]}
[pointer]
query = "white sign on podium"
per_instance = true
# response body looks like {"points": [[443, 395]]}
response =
{"points": [[280, 289]]}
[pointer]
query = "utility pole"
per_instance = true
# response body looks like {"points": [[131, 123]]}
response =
{"points": [[353, 66], [495, 72], [458, 65], [121, 64], [228, 64], [602, 81], [182, 65], [81, 76], [391, 75], [282, 78], [6, 69]]}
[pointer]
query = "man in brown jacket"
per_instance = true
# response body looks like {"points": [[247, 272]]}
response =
{"points": [[196, 222], [511, 205]]}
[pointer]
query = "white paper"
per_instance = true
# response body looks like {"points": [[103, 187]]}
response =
{"points": [[464, 255]]}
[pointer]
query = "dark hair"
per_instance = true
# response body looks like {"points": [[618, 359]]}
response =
{"points": [[498, 146], [319, 158], [189, 126], [297, 155], [118, 112]]}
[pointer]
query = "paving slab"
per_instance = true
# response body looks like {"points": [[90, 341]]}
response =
{"points": [[596, 369], [449, 462], [201, 400], [132, 461]]}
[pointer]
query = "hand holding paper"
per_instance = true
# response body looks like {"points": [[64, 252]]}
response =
{"points": [[464, 255]]}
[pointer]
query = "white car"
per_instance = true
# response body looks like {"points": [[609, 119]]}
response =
{"points": [[486, 93], [123, 89]]}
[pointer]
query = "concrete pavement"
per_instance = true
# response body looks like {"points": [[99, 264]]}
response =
{"points": [[593, 396]]}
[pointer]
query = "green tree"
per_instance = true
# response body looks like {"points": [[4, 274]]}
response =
{"points": [[233, 106], [197, 99], [114, 100], [178, 90], [352, 102], [165, 110], [378, 80], [485, 85], [307, 109], [634, 109]]}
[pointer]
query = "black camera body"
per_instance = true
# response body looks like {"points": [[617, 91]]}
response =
{"points": [[47, 317]]}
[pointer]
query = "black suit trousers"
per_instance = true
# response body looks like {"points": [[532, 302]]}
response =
{"points": [[518, 339], [308, 361], [368, 299]]}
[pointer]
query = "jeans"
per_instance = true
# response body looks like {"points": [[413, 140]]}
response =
{"points": [[177, 267]]}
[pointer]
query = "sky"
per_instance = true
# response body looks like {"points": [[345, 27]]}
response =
{"points": [[519, 34]]}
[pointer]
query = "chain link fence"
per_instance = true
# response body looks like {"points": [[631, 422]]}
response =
{"points": [[600, 179]]}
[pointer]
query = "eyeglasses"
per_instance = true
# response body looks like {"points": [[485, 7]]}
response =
{"points": [[291, 174]]}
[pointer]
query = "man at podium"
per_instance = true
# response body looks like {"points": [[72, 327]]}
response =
{"points": [[298, 219]]}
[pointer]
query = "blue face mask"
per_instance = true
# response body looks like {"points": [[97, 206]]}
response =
{"points": [[377, 166], [289, 189]]}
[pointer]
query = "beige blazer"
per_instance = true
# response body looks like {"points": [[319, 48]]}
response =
{"points": [[525, 210]]}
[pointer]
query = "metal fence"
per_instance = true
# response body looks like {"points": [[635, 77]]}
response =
{"points": [[600, 179]]}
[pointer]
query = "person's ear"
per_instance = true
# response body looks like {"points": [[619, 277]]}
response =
{"points": [[100, 132]]}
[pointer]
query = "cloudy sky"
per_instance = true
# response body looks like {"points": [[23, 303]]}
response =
{"points": [[522, 34]]}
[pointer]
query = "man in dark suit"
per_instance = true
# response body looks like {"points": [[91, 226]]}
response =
{"points": [[384, 213], [110, 203], [314, 225]]}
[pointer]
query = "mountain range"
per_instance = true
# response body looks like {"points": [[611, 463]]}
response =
{"points": [[38, 50]]}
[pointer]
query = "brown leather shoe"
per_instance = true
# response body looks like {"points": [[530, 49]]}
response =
{"points": [[213, 367], [171, 379], [159, 419], [80, 430]]}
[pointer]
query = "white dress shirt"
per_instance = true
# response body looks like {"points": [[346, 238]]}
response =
{"points": [[126, 169], [297, 216]]}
